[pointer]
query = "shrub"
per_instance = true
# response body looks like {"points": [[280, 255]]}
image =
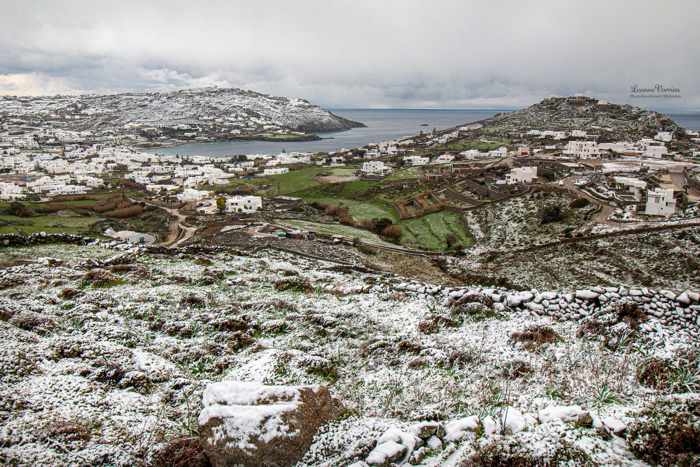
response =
{"points": [[392, 231], [181, 452], [579, 203], [667, 432], [534, 337], [19, 209], [550, 214]]}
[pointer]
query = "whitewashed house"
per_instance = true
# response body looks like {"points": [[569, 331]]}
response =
{"points": [[275, 171], [375, 168], [582, 149], [190, 194], [665, 136], [500, 152], [416, 160], [444, 159], [521, 175], [656, 151], [243, 204], [660, 202], [10, 191], [632, 185]]}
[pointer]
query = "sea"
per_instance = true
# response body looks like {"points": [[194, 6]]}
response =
{"points": [[381, 125]]}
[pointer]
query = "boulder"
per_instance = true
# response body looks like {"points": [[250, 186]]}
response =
{"points": [[393, 446], [456, 429], [587, 294], [683, 298], [564, 413], [251, 424]]}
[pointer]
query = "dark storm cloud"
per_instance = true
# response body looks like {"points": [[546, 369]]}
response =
{"points": [[408, 53]]}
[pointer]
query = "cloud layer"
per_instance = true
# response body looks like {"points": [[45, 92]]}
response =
{"points": [[341, 53]]}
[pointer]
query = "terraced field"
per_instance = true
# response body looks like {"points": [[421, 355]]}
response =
{"points": [[431, 232]]}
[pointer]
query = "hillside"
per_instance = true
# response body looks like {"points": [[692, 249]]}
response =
{"points": [[108, 349], [614, 121], [210, 113]]}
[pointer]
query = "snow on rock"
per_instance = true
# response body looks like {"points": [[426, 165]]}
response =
{"points": [[393, 445], [514, 421], [615, 425], [587, 294], [456, 429], [683, 298], [564, 413], [386, 453], [252, 424]]}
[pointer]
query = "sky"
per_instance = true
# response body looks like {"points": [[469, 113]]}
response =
{"points": [[359, 53]]}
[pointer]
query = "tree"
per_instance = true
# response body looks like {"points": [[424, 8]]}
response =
{"points": [[19, 209], [221, 204], [551, 214]]}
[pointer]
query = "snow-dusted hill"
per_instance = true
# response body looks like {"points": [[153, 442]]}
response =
{"points": [[107, 349], [210, 113]]}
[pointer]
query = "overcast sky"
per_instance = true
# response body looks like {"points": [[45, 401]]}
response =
{"points": [[357, 53]]}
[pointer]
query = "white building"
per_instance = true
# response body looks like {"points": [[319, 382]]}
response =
{"points": [[416, 160], [444, 159], [375, 168], [275, 171], [244, 204], [521, 175], [10, 191], [190, 194], [665, 136], [500, 152], [655, 151], [660, 202], [633, 185], [582, 149]]}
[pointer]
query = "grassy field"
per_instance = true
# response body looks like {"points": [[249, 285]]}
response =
{"points": [[430, 232], [403, 174], [48, 224], [284, 184], [338, 229]]}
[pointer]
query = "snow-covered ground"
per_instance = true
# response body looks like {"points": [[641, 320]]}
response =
{"points": [[105, 357]]}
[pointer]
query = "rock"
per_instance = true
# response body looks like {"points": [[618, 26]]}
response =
{"points": [[434, 443], [514, 421], [587, 294], [694, 296], [426, 430], [456, 429], [253, 424], [490, 426], [549, 295], [386, 453], [614, 425], [683, 298], [564, 413]]}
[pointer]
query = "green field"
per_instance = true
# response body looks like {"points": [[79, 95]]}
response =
{"points": [[48, 224], [403, 174], [430, 231], [338, 229]]}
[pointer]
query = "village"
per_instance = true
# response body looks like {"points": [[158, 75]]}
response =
{"points": [[453, 173]]}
